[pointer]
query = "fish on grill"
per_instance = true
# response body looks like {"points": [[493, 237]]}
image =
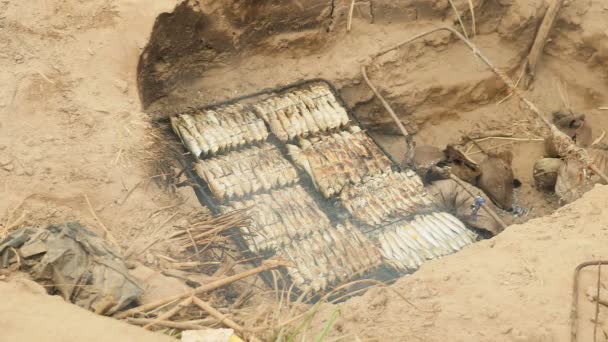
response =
{"points": [[329, 256], [386, 198], [208, 132], [280, 217], [302, 113], [335, 160], [408, 243], [243, 172]]}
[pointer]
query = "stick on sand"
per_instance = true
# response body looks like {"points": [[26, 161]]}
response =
{"points": [[267, 265]]}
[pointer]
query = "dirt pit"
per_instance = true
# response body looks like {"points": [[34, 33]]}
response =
{"points": [[74, 76], [202, 54]]}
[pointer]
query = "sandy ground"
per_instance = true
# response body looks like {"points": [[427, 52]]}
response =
{"points": [[27, 313], [515, 287], [71, 125]]}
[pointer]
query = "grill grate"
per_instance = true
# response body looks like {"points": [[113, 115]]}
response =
{"points": [[321, 192]]}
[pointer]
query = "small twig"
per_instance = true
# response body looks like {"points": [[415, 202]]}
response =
{"points": [[117, 156], [603, 108], [130, 192], [349, 21], [485, 151], [509, 138], [599, 140], [191, 325], [597, 303], [464, 30], [170, 313], [521, 75], [192, 240], [472, 9], [103, 226], [476, 143]]}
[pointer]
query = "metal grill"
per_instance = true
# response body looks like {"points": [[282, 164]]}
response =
{"points": [[322, 193]]}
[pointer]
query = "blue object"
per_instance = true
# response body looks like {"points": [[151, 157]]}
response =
{"points": [[479, 201]]}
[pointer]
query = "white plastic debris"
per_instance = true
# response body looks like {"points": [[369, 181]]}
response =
{"points": [[209, 335]]}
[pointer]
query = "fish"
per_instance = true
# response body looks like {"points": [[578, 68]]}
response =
{"points": [[438, 247], [431, 230], [189, 141], [437, 230], [316, 114]]}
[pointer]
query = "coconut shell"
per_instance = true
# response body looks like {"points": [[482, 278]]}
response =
{"points": [[545, 173]]}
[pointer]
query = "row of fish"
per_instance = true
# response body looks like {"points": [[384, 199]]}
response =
{"points": [[386, 198], [330, 256], [211, 131], [280, 217], [243, 172], [408, 244], [334, 160], [302, 113]]}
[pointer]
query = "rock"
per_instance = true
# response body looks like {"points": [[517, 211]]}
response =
{"points": [[8, 167], [545, 173]]}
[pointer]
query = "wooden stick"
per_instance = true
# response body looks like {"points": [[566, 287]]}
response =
{"points": [[603, 108], [170, 313], [384, 103], [267, 265], [103, 226], [569, 149], [484, 205], [541, 39]]}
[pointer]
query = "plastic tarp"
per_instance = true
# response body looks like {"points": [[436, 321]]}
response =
{"points": [[74, 262]]}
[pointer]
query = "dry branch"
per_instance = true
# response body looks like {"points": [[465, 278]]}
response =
{"points": [[267, 265], [541, 39]]}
